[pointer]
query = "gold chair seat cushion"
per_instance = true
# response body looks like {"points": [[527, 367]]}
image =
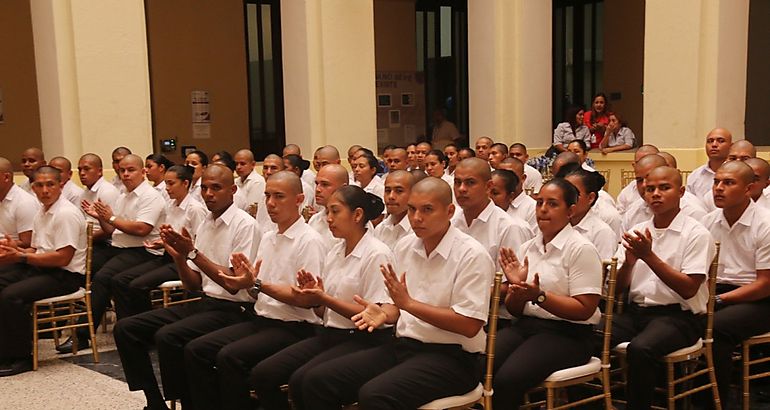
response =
{"points": [[78, 294], [171, 284], [683, 351], [594, 365], [455, 401]]}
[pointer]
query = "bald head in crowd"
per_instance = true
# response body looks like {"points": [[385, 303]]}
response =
{"points": [[741, 150], [272, 164], [31, 159], [482, 147], [327, 180], [292, 181], [6, 177], [761, 176], [645, 150], [328, 154], [435, 187], [477, 166], [290, 149], [671, 174], [64, 166], [397, 160], [563, 159], [644, 166], [670, 160]]}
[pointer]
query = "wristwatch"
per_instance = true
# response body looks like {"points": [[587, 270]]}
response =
{"points": [[112, 219], [254, 290], [540, 299], [192, 254], [718, 300]]}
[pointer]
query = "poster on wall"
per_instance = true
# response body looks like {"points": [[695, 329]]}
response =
{"points": [[201, 115], [2, 113]]}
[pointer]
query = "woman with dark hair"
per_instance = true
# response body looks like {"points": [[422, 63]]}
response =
{"points": [[435, 166], [365, 170], [132, 287], [350, 279], [617, 137], [451, 153], [155, 166], [297, 165], [225, 158], [597, 119], [554, 293], [198, 160], [589, 185], [571, 129]]}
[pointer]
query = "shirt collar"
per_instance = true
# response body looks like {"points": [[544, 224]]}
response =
{"points": [[585, 223], [444, 246], [294, 230], [487, 212], [745, 219], [519, 200], [141, 189], [54, 206], [359, 251], [95, 187], [677, 225], [226, 216]]}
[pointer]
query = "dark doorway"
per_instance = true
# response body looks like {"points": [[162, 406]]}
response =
{"points": [[757, 68]]}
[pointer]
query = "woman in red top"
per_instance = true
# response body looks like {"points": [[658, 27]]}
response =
{"points": [[597, 119]]}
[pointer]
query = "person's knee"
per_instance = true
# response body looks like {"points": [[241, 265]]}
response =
{"points": [[167, 336], [641, 352], [373, 396], [194, 352], [227, 360]]}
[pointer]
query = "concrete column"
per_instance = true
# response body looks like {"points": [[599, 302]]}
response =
{"points": [[93, 78], [329, 75], [694, 70], [509, 70]]}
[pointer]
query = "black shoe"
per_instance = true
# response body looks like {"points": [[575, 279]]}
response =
{"points": [[16, 367], [66, 347]]}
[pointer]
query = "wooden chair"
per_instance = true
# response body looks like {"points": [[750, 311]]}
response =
{"points": [[174, 293], [692, 354], [483, 392], [606, 173], [685, 174], [747, 362], [67, 308], [596, 368], [626, 176]]}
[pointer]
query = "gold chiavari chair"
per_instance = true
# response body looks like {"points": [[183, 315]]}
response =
{"points": [[627, 176], [685, 174], [174, 293], [68, 309], [606, 173], [747, 362]]}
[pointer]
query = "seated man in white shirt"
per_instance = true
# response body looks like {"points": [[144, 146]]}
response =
{"points": [[640, 210], [249, 182], [71, 191], [741, 150], [327, 180], [398, 186], [17, 208], [521, 205], [54, 265], [482, 147], [664, 271], [136, 218], [226, 230], [497, 153], [90, 172], [308, 176], [478, 216], [117, 155], [534, 179], [718, 142], [219, 363], [743, 285], [441, 294], [31, 159], [397, 160], [629, 193]]}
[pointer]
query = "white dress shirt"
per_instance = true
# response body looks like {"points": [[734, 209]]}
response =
{"points": [[319, 224], [700, 181], [355, 274], [563, 134], [143, 204], [587, 167], [233, 232], [161, 188], [534, 178], [610, 216], [390, 233], [26, 186], [626, 197], [598, 233], [686, 246], [283, 255], [745, 246], [376, 186], [102, 191], [118, 183], [72, 193], [253, 188], [458, 274], [568, 265], [640, 211], [17, 212], [189, 214], [623, 136], [308, 177], [195, 191], [62, 225], [494, 229], [523, 207]]}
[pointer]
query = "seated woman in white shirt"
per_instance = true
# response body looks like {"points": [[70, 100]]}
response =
{"points": [[435, 166], [571, 129], [365, 170], [131, 288], [617, 136], [350, 279], [588, 223], [295, 164], [199, 161], [155, 166], [452, 153], [555, 293]]}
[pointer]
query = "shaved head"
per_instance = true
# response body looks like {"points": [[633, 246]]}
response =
{"points": [[485, 139], [477, 166], [671, 174], [437, 188], [741, 150], [650, 162], [291, 179], [93, 159], [336, 173], [291, 149], [353, 148], [723, 132], [563, 159], [670, 160], [34, 152], [760, 167], [404, 176], [512, 164], [60, 163], [133, 159], [329, 151], [740, 169], [5, 165], [220, 173], [245, 154]]}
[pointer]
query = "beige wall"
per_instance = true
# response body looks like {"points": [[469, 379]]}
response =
{"points": [[21, 126], [198, 45]]}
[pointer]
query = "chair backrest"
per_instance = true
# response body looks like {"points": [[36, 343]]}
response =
{"points": [[685, 174], [606, 174], [609, 308], [89, 252], [494, 309], [712, 283], [626, 176]]}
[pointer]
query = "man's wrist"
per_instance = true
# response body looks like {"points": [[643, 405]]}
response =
{"points": [[23, 258]]}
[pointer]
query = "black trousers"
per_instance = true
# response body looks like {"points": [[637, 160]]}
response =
{"points": [[118, 261], [401, 375], [218, 364], [653, 332], [528, 351], [131, 288], [20, 286], [732, 325], [292, 363], [169, 329]]}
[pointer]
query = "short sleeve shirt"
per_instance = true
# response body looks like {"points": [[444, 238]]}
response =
{"points": [[494, 229], [390, 233], [62, 225], [143, 204], [17, 212], [534, 179]]}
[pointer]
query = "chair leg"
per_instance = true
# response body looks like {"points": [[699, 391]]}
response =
{"points": [[713, 377], [91, 329], [166, 297], [746, 370], [607, 386], [34, 337], [549, 398], [671, 389], [52, 314]]}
